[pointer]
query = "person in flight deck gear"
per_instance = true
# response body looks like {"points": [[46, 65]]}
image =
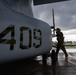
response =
{"points": [[60, 44]]}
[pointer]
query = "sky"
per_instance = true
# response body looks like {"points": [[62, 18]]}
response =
{"points": [[65, 16]]}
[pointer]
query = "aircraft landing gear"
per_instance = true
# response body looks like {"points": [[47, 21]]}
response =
{"points": [[44, 58]]}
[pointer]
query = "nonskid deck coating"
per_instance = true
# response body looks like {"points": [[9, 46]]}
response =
{"points": [[36, 67]]}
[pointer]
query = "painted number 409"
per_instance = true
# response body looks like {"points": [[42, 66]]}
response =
{"points": [[12, 40]]}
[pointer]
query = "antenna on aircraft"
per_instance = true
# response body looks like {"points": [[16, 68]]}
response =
{"points": [[53, 27], [53, 19]]}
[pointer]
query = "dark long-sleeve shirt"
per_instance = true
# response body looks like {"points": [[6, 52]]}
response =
{"points": [[60, 38]]}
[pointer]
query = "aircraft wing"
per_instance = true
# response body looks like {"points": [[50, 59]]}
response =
{"points": [[38, 2]]}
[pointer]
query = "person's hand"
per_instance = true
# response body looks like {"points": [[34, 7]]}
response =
{"points": [[54, 29]]}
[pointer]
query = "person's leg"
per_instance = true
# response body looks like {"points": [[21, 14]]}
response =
{"points": [[57, 50], [64, 50]]}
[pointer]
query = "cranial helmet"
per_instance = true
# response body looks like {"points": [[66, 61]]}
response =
{"points": [[58, 29]]}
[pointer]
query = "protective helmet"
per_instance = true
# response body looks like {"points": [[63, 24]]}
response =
{"points": [[58, 29]]}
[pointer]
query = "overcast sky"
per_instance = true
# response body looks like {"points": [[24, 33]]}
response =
{"points": [[65, 15]]}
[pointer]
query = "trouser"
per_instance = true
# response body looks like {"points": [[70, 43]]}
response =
{"points": [[63, 49]]}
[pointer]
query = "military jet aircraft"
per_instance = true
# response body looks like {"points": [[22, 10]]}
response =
{"points": [[22, 35]]}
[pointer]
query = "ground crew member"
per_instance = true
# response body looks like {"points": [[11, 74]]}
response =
{"points": [[60, 44]]}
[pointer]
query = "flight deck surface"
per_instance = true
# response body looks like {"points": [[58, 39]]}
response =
{"points": [[35, 66]]}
